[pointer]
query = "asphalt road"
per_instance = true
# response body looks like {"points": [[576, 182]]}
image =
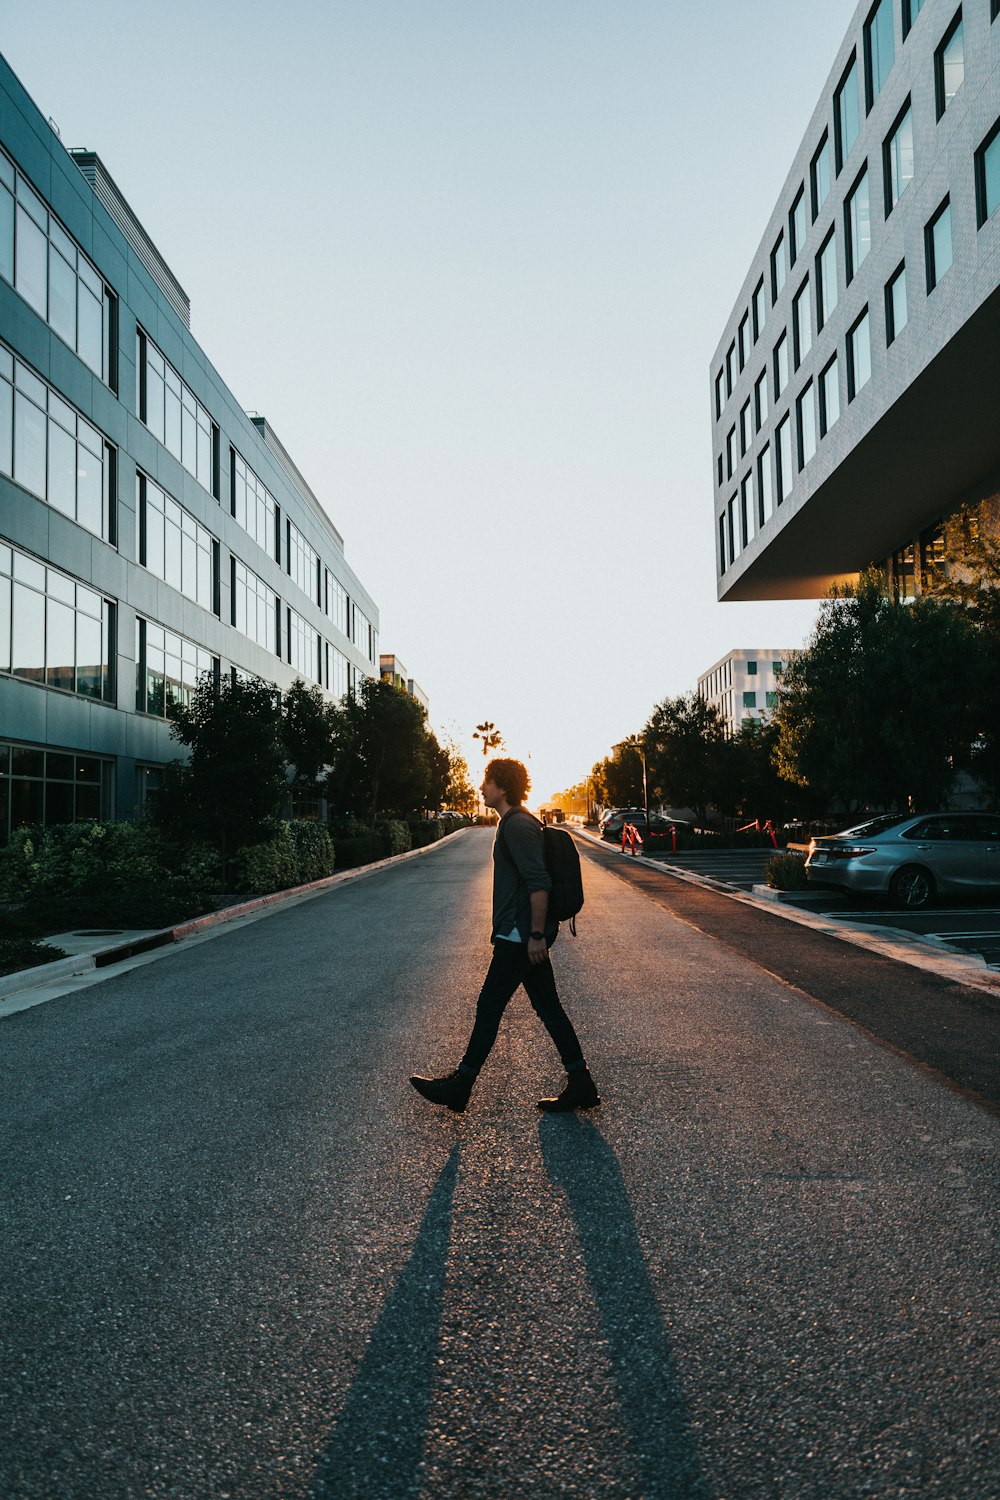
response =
{"points": [[241, 1258]]}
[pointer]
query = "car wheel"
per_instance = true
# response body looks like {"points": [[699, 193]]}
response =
{"points": [[911, 887]]}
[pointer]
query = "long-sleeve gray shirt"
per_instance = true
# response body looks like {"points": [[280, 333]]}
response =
{"points": [[518, 870]]}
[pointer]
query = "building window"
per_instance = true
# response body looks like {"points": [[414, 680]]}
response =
{"points": [[797, 226], [336, 666], [765, 486], [168, 669], [859, 356], [254, 506], [50, 450], [302, 563], [949, 65], [801, 324], [904, 574], [50, 271], [937, 245], [337, 604], [880, 52], [364, 635], [895, 304], [303, 647], [911, 10], [744, 339], [829, 396], [730, 452], [858, 224], [770, 699], [988, 175], [746, 431], [720, 394], [733, 530], [53, 630], [722, 544], [785, 472], [759, 309], [780, 365], [254, 607], [730, 368], [819, 175], [897, 159], [751, 669], [720, 469], [933, 569], [779, 266], [760, 399], [747, 507], [826, 278], [42, 787], [749, 700], [174, 547], [174, 415], [805, 412], [846, 114]]}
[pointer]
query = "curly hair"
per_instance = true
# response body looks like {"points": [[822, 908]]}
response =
{"points": [[512, 778]]}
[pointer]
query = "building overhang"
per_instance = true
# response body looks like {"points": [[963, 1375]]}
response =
{"points": [[937, 444]]}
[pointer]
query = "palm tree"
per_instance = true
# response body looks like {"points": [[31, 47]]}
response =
{"points": [[490, 735]]}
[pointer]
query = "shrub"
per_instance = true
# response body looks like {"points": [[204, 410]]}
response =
{"points": [[786, 872], [102, 875], [424, 831], [364, 849], [313, 849], [25, 953], [395, 837], [271, 865]]}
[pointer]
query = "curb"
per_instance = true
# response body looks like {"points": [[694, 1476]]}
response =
{"points": [[889, 942], [23, 980]]}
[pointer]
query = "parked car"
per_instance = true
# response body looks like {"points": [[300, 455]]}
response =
{"points": [[658, 826], [910, 859]]}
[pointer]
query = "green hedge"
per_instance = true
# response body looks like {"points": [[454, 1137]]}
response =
{"points": [[104, 875], [364, 849], [295, 854], [425, 831], [395, 837]]}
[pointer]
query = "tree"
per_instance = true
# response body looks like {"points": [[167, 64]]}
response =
{"points": [[308, 725], [385, 760], [459, 792], [757, 790], [490, 735], [687, 752], [234, 781], [617, 780], [856, 720]]}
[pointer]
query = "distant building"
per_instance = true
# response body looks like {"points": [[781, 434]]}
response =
{"points": [[151, 531], [855, 389], [744, 684], [391, 669]]}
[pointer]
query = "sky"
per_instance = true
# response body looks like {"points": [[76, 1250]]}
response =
{"points": [[472, 261]]}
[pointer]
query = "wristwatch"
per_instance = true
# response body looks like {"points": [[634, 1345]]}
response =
{"points": [[537, 937]]}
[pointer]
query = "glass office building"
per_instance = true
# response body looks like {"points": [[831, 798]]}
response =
{"points": [[150, 529], [854, 391]]}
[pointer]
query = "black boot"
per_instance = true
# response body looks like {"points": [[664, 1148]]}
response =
{"points": [[453, 1090], [580, 1093]]}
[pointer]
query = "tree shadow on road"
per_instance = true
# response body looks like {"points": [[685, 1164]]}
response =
{"points": [[378, 1442], [579, 1160]]}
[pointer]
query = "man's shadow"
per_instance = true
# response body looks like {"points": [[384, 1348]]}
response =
{"points": [[580, 1161], [378, 1442]]}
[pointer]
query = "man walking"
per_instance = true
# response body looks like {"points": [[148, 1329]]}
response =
{"points": [[522, 935]]}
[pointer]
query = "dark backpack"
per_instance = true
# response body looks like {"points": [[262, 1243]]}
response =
{"points": [[562, 860]]}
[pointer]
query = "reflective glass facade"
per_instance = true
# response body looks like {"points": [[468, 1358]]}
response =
{"points": [[174, 415], [174, 547], [54, 631]]}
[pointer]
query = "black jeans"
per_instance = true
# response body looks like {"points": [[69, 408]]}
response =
{"points": [[510, 967]]}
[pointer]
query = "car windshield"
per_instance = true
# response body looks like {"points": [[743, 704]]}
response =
{"points": [[873, 826]]}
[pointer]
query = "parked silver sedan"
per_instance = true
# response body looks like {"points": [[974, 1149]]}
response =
{"points": [[910, 859]]}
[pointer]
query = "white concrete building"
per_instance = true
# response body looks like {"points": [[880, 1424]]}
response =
{"points": [[744, 684]]}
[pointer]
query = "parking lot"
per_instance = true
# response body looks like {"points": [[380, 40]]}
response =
{"points": [[958, 924]]}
